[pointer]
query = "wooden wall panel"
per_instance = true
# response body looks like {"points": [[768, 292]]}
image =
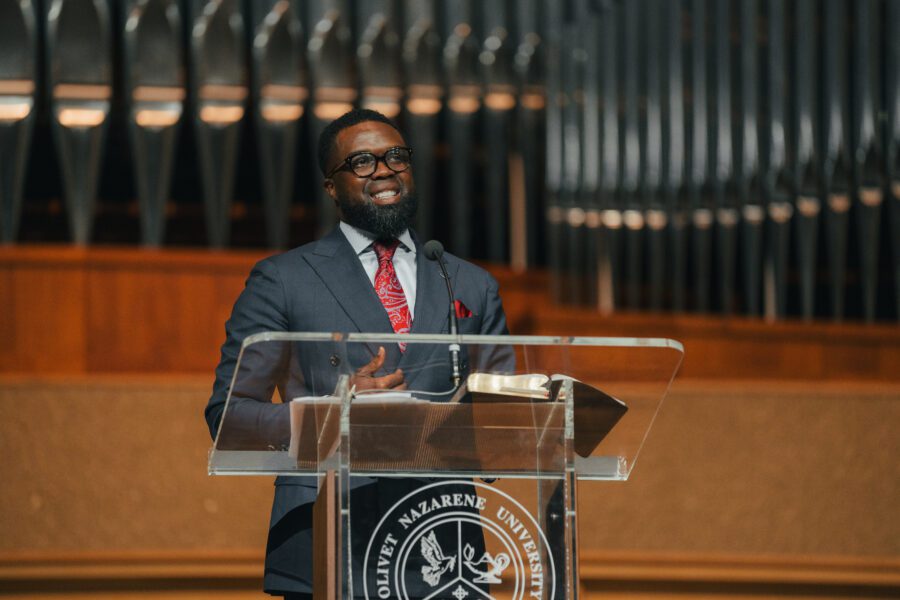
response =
{"points": [[744, 489], [732, 468], [756, 468], [42, 317], [118, 464], [102, 310], [235, 575], [740, 348], [108, 310], [770, 472], [157, 320]]}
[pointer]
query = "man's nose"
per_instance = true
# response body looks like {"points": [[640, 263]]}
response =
{"points": [[382, 171]]}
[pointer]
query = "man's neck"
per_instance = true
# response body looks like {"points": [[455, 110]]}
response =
{"points": [[361, 239]]}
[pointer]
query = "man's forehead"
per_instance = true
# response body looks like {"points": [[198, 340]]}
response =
{"points": [[368, 135]]}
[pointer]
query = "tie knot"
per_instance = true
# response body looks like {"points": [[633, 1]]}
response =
{"points": [[385, 250]]}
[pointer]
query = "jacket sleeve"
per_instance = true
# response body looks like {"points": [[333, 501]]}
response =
{"points": [[494, 320], [490, 358], [262, 306]]}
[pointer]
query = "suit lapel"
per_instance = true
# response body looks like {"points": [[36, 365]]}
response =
{"points": [[432, 305], [432, 302], [340, 270]]}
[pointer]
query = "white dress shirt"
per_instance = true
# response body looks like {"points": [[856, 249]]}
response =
{"points": [[404, 259]]}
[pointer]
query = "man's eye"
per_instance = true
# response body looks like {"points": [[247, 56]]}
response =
{"points": [[363, 160]]}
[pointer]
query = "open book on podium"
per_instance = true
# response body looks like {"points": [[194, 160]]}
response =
{"points": [[438, 491]]}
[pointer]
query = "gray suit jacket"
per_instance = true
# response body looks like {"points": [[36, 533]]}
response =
{"points": [[322, 287]]}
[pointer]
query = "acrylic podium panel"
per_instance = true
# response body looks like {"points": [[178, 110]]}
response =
{"points": [[438, 491]]}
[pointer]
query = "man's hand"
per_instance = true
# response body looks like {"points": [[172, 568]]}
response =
{"points": [[364, 379]]}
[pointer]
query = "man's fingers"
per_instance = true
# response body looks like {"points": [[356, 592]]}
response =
{"points": [[364, 378], [374, 364], [390, 381]]}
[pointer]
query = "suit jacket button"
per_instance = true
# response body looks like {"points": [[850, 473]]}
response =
{"points": [[335, 360]]}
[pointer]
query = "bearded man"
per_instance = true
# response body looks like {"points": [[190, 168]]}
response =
{"points": [[368, 275]]}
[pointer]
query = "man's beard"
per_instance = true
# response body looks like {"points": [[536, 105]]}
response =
{"points": [[384, 222]]}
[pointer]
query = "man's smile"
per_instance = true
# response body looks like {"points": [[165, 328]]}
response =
{"points": [[381, 193]]}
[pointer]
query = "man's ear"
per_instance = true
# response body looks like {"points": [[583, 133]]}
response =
{"points": [[328, 184]]}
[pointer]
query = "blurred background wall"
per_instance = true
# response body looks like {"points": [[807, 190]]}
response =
{"points": [[723, 172]]}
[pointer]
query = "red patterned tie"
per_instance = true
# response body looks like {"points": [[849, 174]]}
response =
{"points": [[388, 288]]}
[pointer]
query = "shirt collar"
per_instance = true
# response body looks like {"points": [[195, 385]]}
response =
{"points": [[361, 240]]}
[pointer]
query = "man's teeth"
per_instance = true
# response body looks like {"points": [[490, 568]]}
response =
{"points": [[385, 194]]}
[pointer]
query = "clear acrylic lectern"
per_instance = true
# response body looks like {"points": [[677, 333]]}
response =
{"points": [[441, 490]]}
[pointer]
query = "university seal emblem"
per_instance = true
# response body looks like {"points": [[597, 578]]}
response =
{"points": [[458, 540]]}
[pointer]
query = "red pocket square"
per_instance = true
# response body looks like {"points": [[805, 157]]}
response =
{"points": [[461, 311]]}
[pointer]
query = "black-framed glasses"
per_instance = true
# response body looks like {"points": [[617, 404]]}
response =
{"points": [[363, 164]]}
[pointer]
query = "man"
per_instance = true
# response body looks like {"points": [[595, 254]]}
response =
{"points": [[368, 275]]}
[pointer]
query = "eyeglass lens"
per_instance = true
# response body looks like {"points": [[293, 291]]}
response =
{"points": [[396, 159]]}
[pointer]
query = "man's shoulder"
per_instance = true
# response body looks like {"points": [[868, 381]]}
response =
{"points": [[296, 256], [293, 254], [282, 262], [467, 271]]}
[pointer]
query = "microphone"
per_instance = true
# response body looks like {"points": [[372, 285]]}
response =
{"points": [[434, 250]]}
